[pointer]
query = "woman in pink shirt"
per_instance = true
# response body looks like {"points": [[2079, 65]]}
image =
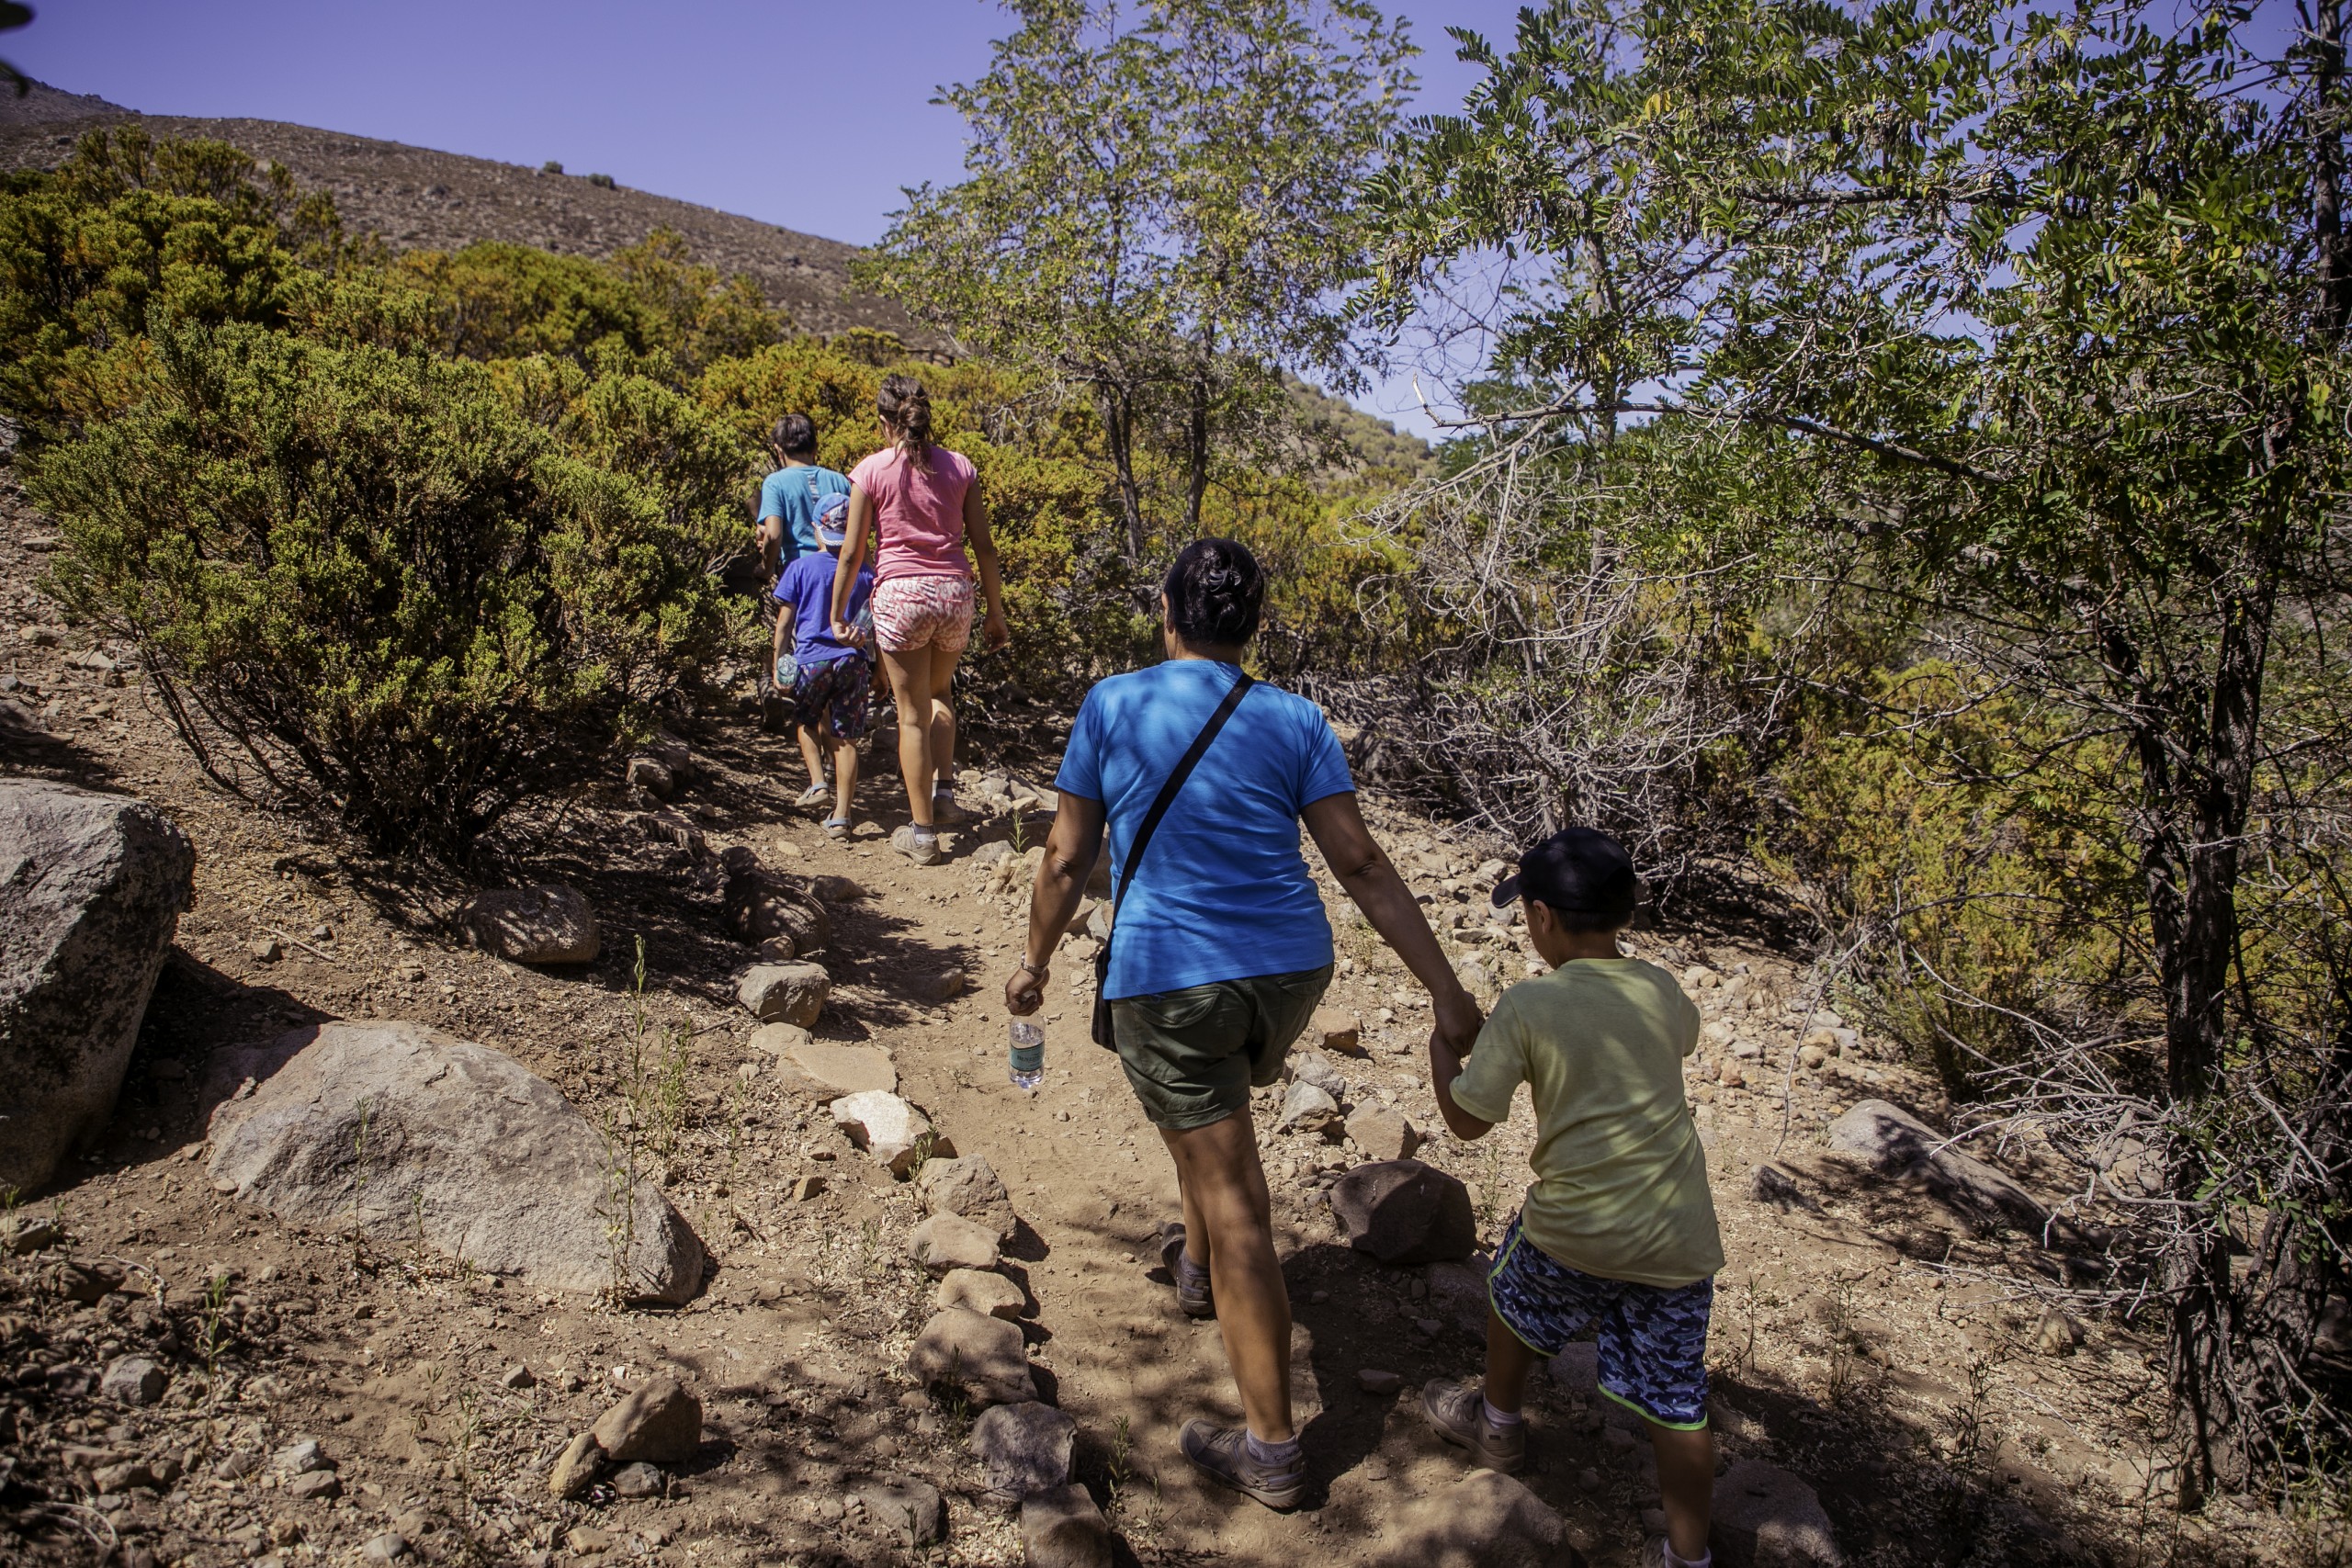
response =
{"points": [[923, 501]]}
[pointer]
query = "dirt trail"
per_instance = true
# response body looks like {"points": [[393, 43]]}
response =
{"points": [[1861, 1338]]}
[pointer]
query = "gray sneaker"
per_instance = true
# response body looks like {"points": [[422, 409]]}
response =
{"points": [[922, 850], [1457, 1412], [1192, 1291], [1223, 1453]]}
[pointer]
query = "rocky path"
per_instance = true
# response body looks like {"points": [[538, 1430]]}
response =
{"points": [[187, 1376]]}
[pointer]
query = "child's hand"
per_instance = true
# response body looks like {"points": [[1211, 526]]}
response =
{"points": [[1456, 1023]]}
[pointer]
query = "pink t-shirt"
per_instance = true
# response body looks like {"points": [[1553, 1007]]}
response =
{"points": [[919, 515]]}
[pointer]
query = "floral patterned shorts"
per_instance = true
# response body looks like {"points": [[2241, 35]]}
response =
{"points": [[923, 612]]}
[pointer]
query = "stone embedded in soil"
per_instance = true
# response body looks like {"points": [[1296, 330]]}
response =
{"points": [[1313, 1066], [1484, 1520], [2055, 1335], [990, 855], [21, 1234], [576, 1469], [661, 1422], [464, 1147], [912, 1510], [983, 1356], [1766, 1518], [1895, 1143], [836, 889], [763, 906], [1308, 1109], [546, 924], [1024, 1449], [302, 1458], [828, 1071], [516, 1377], [970, 1187], [318, 1486], [651, 776], [1403, 1211], [1063, 1529], [885, 1127], [991, 1295], [386, 1548], [1383, 1134], [639, 1480], [1335, 1029], [133, 1380], [585, 1540], [785, 993], [936, 985], [1373, 1381], [91, 890], [946, 1242]]}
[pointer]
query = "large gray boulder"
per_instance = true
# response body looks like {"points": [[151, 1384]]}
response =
{"points": [[399, 1129], [1893, 1142], [91, 890], [1484, 1520]]}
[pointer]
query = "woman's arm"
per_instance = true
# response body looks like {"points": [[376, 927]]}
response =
{"points": [[994, 632], [1071, 846], [1357, 860], [861, 523]]}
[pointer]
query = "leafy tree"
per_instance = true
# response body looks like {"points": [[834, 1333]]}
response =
{"points": [[1158, 213], [2049, 309]]}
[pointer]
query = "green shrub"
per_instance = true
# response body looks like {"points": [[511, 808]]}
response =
{"points": [[366, 582], [1976, 848]]}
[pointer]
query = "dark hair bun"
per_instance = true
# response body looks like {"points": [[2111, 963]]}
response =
{"points": [[1216, 590], [794, 435]]}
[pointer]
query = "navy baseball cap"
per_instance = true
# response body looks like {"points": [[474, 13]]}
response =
{"points": [[1578, 869]]}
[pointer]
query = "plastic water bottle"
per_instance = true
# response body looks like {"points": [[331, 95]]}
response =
{"points": [[1027, 1054]]}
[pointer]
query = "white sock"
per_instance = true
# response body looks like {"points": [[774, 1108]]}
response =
{"points": [[1284, 1452], [1705, 1558], [1495, 1417]]}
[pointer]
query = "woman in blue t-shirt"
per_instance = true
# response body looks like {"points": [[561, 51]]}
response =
{"points": [[1219, 955]]}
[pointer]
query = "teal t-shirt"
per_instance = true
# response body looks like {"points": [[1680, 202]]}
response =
{"points": [[1223, 893], [793, 494]]}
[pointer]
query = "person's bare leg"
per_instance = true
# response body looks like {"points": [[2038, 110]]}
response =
{"points": [[943, 716], [910, 685], [1509, 1360], [1227, 1204], [844, 776], [1686, 1479], [811, 755]]}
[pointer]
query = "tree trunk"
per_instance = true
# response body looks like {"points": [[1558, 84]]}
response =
{"points": [[1118, 411]]}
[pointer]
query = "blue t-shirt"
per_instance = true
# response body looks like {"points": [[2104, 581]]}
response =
{"points": [[1223, 893], [807, 585], [793, 494]]}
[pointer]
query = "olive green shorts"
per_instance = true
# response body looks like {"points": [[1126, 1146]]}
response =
{"points": [[1194, 1054]]}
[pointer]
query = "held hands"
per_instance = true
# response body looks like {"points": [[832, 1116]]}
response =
{"points": [[1456, 1022], [1024, 990]]}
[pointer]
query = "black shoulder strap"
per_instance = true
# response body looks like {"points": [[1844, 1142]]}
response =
{"points": [[1175, 781]]}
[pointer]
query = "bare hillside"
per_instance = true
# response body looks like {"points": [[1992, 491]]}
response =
{"points": [[417, 198]]}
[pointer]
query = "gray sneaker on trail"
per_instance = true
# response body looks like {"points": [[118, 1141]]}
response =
{"points": [[1192, 1291], [1457, 1412], [1223, 1454], [922, 850]]}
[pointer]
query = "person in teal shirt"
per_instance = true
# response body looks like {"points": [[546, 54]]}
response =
{"points": [[791, 497]]}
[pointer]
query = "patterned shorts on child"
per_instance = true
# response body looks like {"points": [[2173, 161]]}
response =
{"points": [[923, 612], [1652, 1341], [829, 696]]}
